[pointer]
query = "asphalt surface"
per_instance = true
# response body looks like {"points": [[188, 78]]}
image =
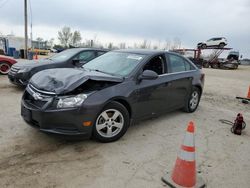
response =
{"points": [[29, 158]]}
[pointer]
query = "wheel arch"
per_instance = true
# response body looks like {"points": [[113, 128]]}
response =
{"points": [[125, 103], [199, 87]]}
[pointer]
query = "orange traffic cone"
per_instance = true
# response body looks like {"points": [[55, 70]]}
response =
{"points": [[248, 94], [184, 173]]}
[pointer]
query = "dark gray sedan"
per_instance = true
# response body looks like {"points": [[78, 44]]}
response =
{"points": [[111, 92], [21, 72]]}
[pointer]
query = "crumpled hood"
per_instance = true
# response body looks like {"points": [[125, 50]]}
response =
{"points": [[34, 63], [64, 80]]}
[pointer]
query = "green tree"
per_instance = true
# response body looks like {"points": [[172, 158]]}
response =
{"points": [[76, 38], [65, 36]]}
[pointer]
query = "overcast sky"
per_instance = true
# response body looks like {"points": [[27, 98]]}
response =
{"points": [[132, 21]]}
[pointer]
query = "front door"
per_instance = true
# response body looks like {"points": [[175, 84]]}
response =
{"points": [[152, 94]]}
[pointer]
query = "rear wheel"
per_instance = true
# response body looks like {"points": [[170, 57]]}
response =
{"points": [[203, 46], [111, 123], [4, 68], [193, 100], [235, 66], [205, 64], [215, 65], [221, 45]]}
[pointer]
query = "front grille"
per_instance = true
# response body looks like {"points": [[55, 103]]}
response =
{"points": [[14, 70], [33, 102], [36, 98], [42, 92]]}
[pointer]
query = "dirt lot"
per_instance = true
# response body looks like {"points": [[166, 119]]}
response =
{"points": [[29, 158]]}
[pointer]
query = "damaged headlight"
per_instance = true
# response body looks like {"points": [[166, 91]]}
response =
{"points": [[70, 102]]}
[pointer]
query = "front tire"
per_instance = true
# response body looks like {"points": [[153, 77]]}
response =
{"points": [[4, 68], [193, 100], [111, 123]]}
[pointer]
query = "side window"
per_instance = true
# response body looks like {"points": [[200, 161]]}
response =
{"points": [[156, 64], [179, 64], [86, 56]]}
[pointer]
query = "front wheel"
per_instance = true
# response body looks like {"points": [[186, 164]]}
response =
{"points": [[4, 68], [193, 100], [111, 123]]}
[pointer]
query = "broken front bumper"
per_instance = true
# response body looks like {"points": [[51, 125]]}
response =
{"points": [[68, 122]]}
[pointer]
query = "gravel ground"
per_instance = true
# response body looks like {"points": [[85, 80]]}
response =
{"points": [[29, 158]]}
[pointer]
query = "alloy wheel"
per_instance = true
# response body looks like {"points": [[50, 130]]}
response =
{"points": [[194, 100], [109, 123]]}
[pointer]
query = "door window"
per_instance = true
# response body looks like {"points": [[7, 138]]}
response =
{"points": [[156, 64], [86, 56], [179, 64]]}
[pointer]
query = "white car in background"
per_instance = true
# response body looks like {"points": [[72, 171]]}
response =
{"points": [[213, 42]]}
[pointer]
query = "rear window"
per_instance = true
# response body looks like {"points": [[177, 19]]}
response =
{"points": [[179, 64]]}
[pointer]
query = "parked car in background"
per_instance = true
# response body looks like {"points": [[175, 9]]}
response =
{"points": [[110, 92], [219, 42], [244, 62], [6, 63], [21, 72]]}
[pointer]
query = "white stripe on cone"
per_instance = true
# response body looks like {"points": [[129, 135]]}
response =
{"points": [[187, 156], [189, 139]]}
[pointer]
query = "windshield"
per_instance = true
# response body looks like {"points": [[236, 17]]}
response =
{"points": [[117, 63], [64, 55]]}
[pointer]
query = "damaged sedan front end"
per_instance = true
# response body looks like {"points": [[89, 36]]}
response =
{"points": [[57, 106]]}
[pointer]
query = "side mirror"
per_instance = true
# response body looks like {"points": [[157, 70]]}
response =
{"points": [[75, 61], [148, 75], [78, 63]]}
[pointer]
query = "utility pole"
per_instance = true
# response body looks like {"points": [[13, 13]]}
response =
{"points": [[25, 29]]}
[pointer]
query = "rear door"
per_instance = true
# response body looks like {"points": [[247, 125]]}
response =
{"points": [[180, 82]]}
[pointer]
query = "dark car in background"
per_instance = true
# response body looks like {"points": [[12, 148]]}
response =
{"points": [[110, 92], [21, 72]]}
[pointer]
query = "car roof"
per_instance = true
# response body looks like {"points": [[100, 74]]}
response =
{"points": [[141, 51], [95, 49]]}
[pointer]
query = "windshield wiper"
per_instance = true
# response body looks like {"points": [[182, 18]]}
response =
{"points": [[97, 70]]}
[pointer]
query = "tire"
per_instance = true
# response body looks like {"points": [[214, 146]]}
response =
{"points": [[221, 45], [205, 64], [203, 46], [193, 100], [236, 66], [4, 68], [215, 65], [108, 128]]}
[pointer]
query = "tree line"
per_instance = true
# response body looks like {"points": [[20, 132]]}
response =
{"points": [[68, 38]]}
